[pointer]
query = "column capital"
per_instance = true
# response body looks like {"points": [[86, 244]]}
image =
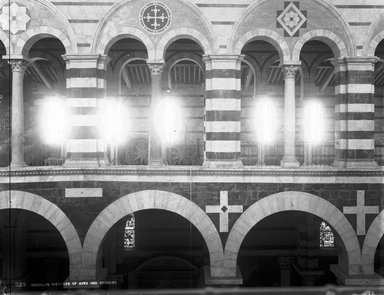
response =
{"points": [[18, 65], [289, 70], [156, 67], [285, 262], [355, 63]]}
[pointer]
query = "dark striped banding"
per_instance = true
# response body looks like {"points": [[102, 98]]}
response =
{"points": [[85, 86], [223, 113], [354, 112]]}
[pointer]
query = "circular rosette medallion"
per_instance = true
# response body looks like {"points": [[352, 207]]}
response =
{"points": [[14, 18], [155, 17]]}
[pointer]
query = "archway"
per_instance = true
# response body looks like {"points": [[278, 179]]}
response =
{"points": [[184, 79], [168, 252], [294, 201], [44, 79], [5, 99], [129, 81], [261, 83], [152, 199], [378, 76], [283, 249], [52, 213]]}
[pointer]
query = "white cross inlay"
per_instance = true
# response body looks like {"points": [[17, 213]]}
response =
{"points": [[224, 209], [360, 210]]}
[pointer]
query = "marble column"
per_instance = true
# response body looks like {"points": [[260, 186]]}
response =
{"points": [[286, 263], [155, 156], [289, 159], [18, 67]]}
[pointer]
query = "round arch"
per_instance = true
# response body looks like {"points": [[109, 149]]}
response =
{"points": [[121, 64], [182, 33], [28, 38], [371, 241], [267, 35], [102, 43], [292, 201], [370, 47], [152, 199], [178, 58], [8, 45], [52, 213], [337, 45]]}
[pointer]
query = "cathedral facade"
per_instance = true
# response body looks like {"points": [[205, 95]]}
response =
{"points": [[191, 143]]}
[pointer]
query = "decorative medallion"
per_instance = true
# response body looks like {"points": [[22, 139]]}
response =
{"points": [[155, 17], [292, 19], [14, 18]]}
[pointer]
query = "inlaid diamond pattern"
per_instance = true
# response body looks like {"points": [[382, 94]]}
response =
{"points": [[292, 19]]}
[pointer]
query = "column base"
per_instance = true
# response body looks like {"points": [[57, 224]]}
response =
{"points": [[290, 163], [18, 165], [156, 163], [356, 280], [223, 164], [72, 163], [222, 281]]}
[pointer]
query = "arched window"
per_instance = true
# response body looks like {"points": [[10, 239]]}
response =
{"points": [[129, 232], [327, 239]]}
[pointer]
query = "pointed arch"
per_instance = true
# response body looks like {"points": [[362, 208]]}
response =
{"points": [[31, 36], [182, 33], [371, 241], [267, 35], [151, 199], [292, 201], [52, 213], [336, 44]]}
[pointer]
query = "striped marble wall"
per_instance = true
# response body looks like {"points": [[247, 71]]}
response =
{"points": [[354, 112], [85, 84], [223, 109]]}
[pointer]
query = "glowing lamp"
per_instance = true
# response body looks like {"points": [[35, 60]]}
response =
{"points": [[168, 120], [54, 121], [265, 121], [313, 122], [113, 121]]}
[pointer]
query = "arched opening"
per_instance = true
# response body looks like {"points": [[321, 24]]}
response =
{"points": [[379, 105], [44, 79], [314, 145], [169, 252], [183, 82], [261, 79], [5, 98], [129, 81], [34, 255], [379, 258], [284, 250]]}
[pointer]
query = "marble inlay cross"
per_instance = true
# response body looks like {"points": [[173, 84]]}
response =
{"points": [[361, 210], [224, 209]]}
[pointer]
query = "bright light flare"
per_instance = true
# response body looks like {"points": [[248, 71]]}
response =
{"points": [[265, 121], [168, 120], [113, 121], [54, 121], [313, 122]]}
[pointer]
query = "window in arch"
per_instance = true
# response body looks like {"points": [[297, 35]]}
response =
{"points": [[327, 239], [129, 232]]}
